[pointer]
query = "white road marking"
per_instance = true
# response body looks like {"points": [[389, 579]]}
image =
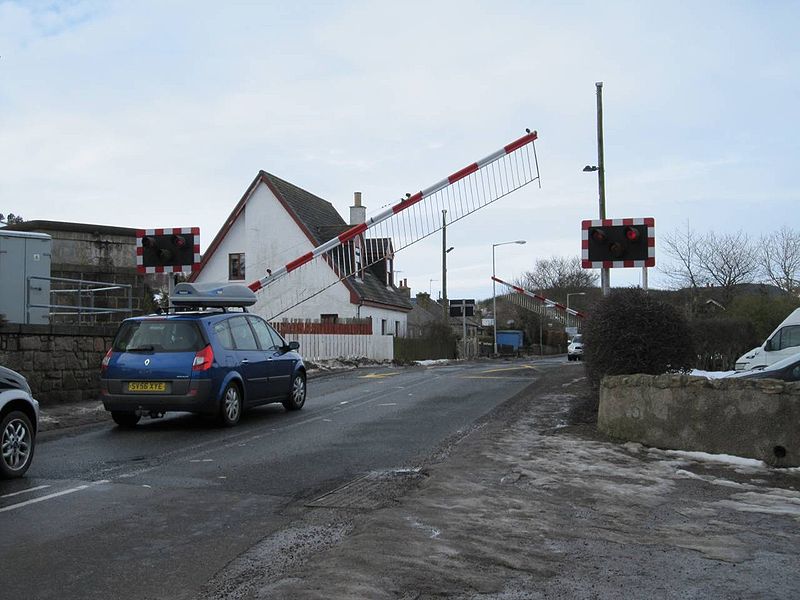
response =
{"points": [[33, 489], [388, 404], [80, 488]]}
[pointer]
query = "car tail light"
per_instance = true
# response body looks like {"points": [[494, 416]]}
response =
{"points": [[203, 359], [105, 361]]}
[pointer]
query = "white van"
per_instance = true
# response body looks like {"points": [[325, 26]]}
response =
{"points": [[783, 342]]}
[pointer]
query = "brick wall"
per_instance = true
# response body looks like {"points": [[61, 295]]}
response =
{"points": [[61, 363]]}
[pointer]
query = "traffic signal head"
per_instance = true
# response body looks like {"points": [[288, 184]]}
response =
{"points": [[629, 243], [168, 250]]}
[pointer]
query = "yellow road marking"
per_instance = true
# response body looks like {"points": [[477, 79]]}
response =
{"points": [[378, 375], [511, 369]]}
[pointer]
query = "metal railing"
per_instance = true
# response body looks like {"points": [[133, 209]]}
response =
{"points": [[87, 305]]}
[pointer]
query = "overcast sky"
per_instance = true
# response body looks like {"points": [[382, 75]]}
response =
{"points": [[160, 114]]}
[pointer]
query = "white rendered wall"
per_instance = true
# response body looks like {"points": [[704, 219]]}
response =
{"points": [[270, 238]]}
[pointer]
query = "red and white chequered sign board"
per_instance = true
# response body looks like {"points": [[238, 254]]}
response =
{"points": [[188, 268], [649, 222]]}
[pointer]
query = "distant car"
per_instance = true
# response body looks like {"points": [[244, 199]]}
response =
{"points": [[19, 422], [209, 360], [575, 348], [787, 369]]}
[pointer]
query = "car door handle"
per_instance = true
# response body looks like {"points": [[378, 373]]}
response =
{"points": [[244, 361]]}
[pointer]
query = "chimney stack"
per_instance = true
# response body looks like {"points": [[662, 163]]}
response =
{"points": [[404, 289], [358, 213]]}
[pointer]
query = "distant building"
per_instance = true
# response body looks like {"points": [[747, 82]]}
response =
{"points": [[89, 252]]}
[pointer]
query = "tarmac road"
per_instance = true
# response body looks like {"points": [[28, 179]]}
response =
{"points": [[534, 504], [156, 511]]}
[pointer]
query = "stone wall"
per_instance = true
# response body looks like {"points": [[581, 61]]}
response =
{"points": [[757, 418], [61, 363]]}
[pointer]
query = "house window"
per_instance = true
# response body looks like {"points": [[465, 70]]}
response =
{"points": [[384, 327], [397, 328], [236, 266]]}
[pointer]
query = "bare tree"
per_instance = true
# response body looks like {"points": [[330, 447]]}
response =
{"points": [[683, 247], [780, 259], [728, 259], [558, 273]]}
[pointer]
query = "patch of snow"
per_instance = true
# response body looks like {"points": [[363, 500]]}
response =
{"points": [[736, 461], [428, 363], [711, 374]]}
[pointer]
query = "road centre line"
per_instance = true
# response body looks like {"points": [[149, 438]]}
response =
{"points": [[80, 488], [27, 491]]}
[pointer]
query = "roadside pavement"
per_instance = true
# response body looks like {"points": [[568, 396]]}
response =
{"points": [[533, 503]]}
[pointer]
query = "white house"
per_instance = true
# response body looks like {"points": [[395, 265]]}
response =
{"points": [[276, 222]]}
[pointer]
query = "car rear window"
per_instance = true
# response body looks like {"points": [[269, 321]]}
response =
{"points": [[158, 336]]}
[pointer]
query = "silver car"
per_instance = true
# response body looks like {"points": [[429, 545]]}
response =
{"points": [[19, 422], [575, 348]]}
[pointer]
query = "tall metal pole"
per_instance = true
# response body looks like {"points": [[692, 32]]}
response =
{"points": [[605, 274], [494, 302], [444, 267]]}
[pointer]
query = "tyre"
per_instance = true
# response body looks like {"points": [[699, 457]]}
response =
{"points": [[297, 395], [230, 410], [17, 440], [125, 419]]}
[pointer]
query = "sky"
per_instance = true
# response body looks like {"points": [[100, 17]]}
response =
{"points": [[160, 114]]}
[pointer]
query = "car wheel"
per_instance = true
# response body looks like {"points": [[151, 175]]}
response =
{"points": [[125, 419], [297, 395], [230, 410], [17, 440]]}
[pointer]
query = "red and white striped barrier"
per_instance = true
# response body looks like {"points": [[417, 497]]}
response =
{"points": [[542, 299], [390, 212]]}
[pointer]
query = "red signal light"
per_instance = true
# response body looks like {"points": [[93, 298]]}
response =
{"points": [[179, 241], [632, 234]]}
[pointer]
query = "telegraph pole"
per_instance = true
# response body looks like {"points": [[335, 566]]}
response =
{"points": [[444, 267]]}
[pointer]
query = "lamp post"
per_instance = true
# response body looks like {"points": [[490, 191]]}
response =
{"points": [[605, 274], [430, 287], [572, 294], [494, 288]]}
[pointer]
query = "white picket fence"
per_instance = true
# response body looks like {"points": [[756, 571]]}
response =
{"points": [[347, 338], [322, 346]]}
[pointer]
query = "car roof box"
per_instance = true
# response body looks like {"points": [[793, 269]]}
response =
{"points": [[216, 295]]}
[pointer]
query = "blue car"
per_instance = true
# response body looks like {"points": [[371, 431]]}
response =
{"points": [[209, 357]]}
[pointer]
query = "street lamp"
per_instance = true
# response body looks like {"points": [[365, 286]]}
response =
{"points": [[605, 273], [430, 287], [494, 288]]}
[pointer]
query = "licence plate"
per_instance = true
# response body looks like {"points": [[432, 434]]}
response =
{"points": [[147, 386]]}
